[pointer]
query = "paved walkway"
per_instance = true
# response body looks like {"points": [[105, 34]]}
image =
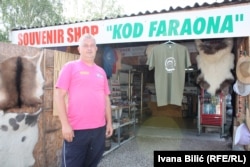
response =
{"points": [[177, 133], [138, 152]]}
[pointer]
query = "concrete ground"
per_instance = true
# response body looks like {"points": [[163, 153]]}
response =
{"points": [[139, 151]]}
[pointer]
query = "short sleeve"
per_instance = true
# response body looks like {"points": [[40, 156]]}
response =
{"points": [[64, 77], [151, 60], [188, 61]]}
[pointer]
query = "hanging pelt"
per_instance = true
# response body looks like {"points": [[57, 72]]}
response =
{"points": [[215, 62], [21, 82]]}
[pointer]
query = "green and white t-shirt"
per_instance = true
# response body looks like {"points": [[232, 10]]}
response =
{"points": [[169, 62]]}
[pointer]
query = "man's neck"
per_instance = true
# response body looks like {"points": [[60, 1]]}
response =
{"points": [[88, 62]]}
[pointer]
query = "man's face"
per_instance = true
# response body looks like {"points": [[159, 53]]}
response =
{"points": [[88, 49]]}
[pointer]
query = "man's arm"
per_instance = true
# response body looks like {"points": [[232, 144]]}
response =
{"points": [[59, 99], [109, 127]]}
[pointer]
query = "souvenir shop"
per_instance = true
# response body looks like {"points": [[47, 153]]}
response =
{"points": [[189, 63]]}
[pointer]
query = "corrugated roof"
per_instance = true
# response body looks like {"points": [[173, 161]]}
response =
{"points": [[171, 9], [195, 6]]}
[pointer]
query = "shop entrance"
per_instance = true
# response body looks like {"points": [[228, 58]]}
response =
{"points": [[173, 116]]}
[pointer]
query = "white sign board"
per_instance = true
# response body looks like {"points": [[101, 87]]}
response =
{"points": [[228, 21]]}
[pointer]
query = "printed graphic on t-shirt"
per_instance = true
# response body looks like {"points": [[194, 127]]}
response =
{"points": [[99, 75], [84, 72], [170, 64]]}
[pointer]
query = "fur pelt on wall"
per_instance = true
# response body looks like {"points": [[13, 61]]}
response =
{"points": [[19, 135], [21, 81], [215, 62]]}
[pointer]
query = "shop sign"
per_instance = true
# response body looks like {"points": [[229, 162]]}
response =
{"points": [[228, 21]]}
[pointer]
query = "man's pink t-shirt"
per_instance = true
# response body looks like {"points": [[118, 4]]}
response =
{"points": [[87, 88]]}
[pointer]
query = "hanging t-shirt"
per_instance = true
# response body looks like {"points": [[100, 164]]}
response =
{"points": [[108, 60], [169, 62]]}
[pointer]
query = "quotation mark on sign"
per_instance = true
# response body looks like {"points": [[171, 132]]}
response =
{"points": [[239, 17], [109, 28]]}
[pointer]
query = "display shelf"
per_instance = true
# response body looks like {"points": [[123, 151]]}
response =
{"points": [[189, 105], [123, 111], [134, 88], [113, 147], [137, 91], [211, 112], [115, 91], [122, 122], [127, 123], [126, 86], [115, 125]]}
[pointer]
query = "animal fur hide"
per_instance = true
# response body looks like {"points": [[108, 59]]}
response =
{"points": [[215, 62], [18, 137], [21, 81]]}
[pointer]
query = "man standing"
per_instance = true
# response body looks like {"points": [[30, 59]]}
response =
{"points": [[86, 116]]}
